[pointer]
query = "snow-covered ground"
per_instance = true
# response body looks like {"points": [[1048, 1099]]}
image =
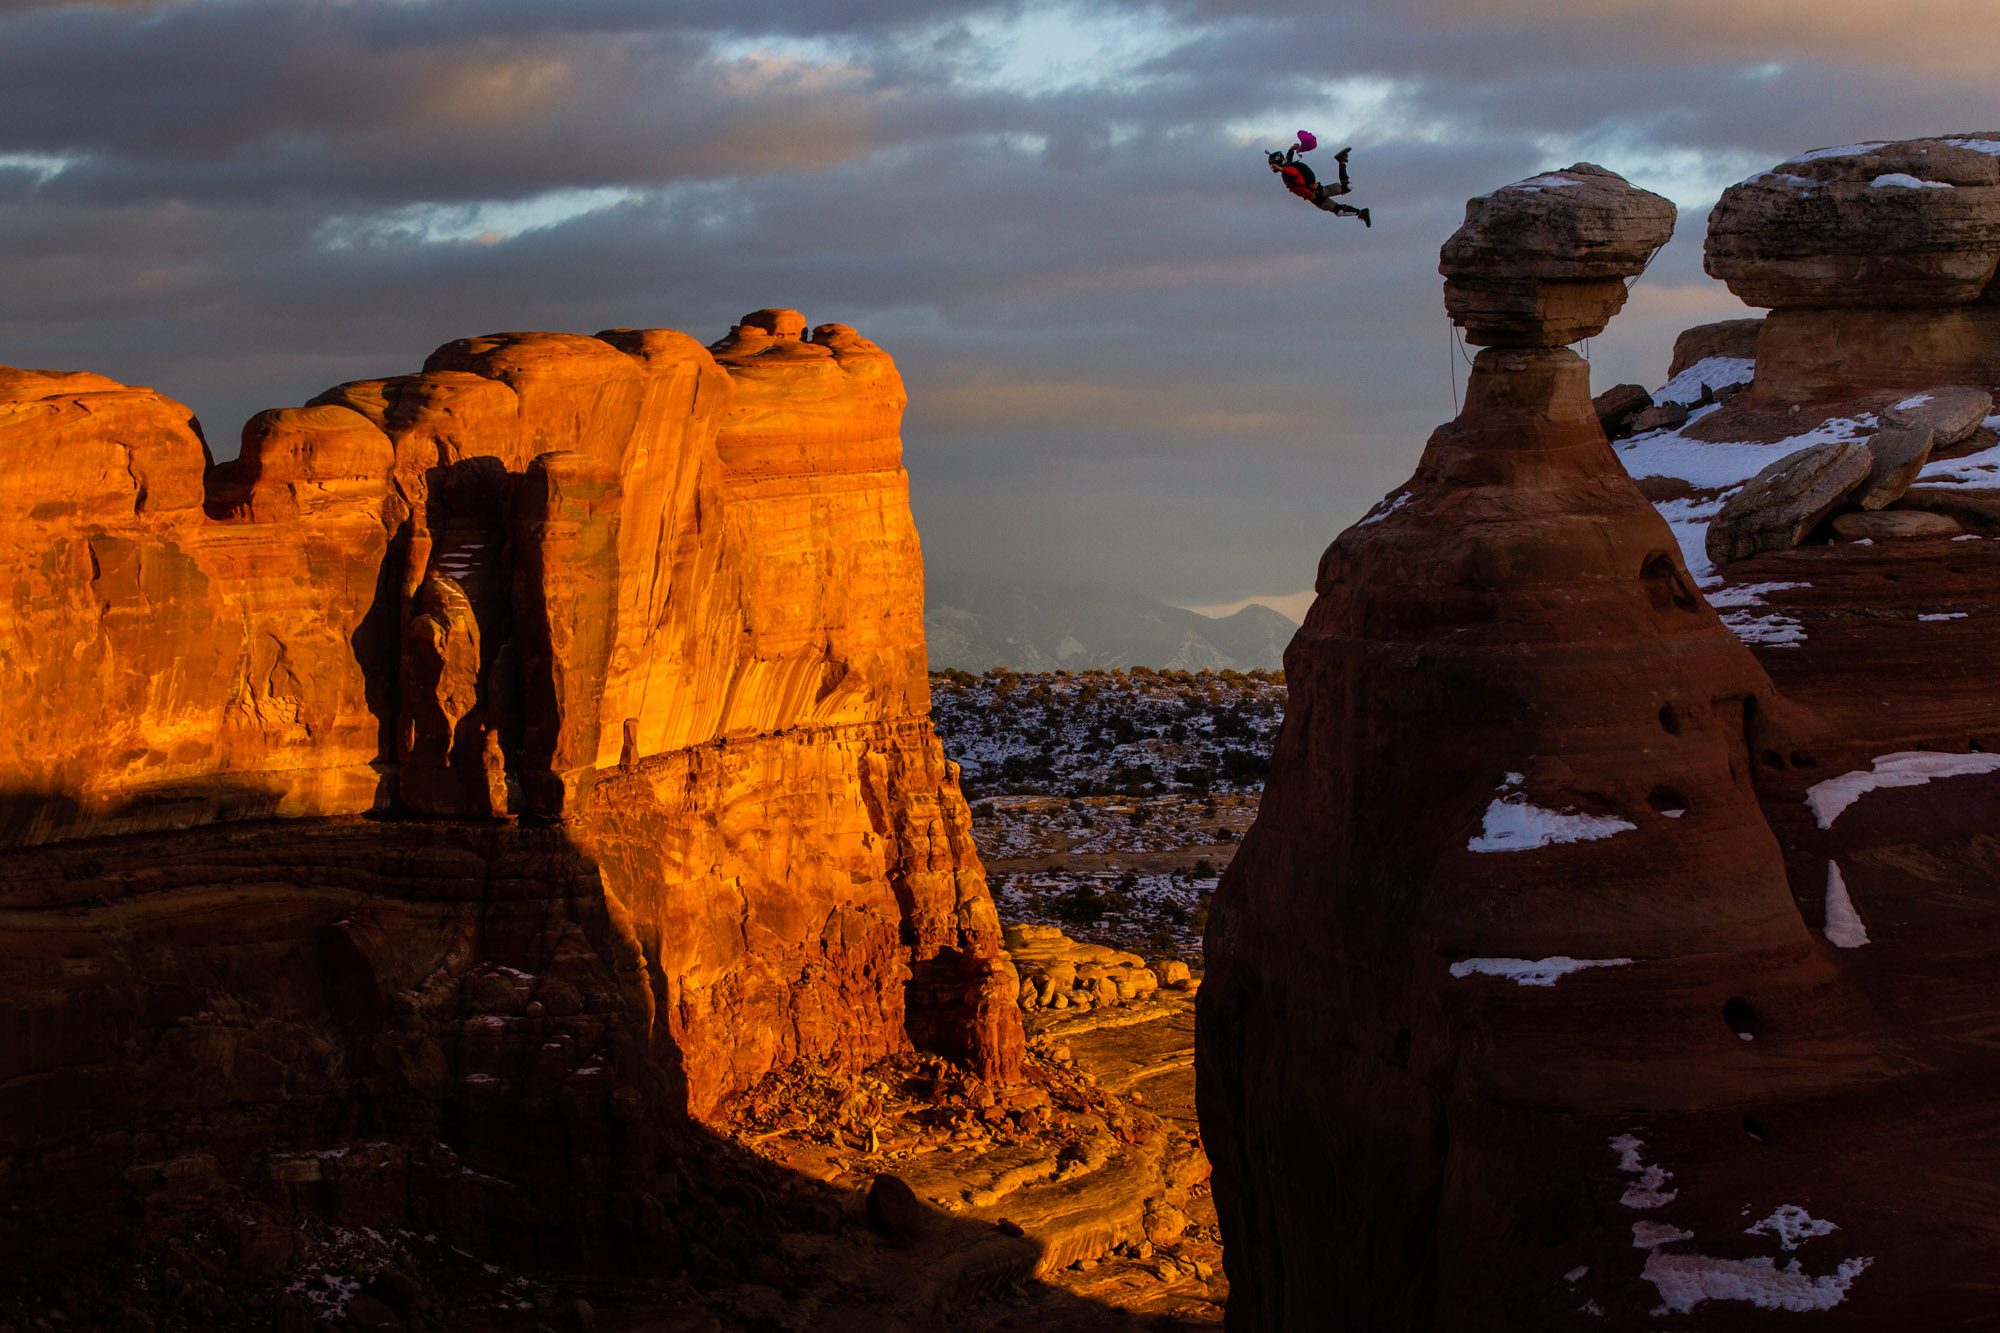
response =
{"points": [[1126, 791], [1715, 472]]}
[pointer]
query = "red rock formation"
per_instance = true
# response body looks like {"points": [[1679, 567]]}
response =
{"points": [[1510, 897], [1874, 259], [589, 676]]}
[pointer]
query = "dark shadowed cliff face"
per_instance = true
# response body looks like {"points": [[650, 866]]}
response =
{"points": [[496, 765], [1510, 960]]}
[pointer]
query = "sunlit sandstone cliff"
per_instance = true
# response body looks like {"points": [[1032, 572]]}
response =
{"points": [[491, 763]]}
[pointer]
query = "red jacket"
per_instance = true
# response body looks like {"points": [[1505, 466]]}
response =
{"points": [[1299, 179]]}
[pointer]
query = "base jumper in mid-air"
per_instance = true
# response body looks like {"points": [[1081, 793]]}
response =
{"points": [[1301, 181]]}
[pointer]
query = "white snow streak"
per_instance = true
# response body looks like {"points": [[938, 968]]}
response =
{"points": [[1511, 824], [1847, 151], [1903, 180], [1944, 615], [1908, 768], [1980, 471], [1648, 1191], [1792, 1225], [1711, 372], [1379, 512], [1648, 1235], [1531, 971], [1844, 927], [1686, 1280], [1747, 594]]}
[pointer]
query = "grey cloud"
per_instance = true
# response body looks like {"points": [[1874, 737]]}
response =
{"points": [[1132, 358]]}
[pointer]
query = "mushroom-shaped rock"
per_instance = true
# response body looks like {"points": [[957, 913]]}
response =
{"points": [[1509, 869], [1543, 262], [1909, 224]]}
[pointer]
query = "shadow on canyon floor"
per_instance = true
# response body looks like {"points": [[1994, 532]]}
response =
{"points": [[381, 1072]]}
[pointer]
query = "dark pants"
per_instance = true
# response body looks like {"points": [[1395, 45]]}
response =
{"points": [[1323, 195]]}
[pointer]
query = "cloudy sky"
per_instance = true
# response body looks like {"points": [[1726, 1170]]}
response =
{"points": [[1133, 361]]}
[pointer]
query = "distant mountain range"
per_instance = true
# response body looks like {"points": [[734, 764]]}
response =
{"points": [[976, 627]]}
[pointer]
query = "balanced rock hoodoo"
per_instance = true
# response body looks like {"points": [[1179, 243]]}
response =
{"points": [[1510, 916], [1875, 260]]}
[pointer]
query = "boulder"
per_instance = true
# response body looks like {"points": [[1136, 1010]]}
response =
{"points": [[1975, 510], [893, 1207], [1950, 414], [1543, 262], [1732, 338], [1782, 504], [1908, 224], [1894, 525], [1660, 416], [1617, 405], [1896, 456]]}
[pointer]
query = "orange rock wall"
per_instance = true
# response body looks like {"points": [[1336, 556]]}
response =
{"points": [[655, 607]]}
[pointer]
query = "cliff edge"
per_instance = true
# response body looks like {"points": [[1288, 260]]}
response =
{"points": [[496, 766]]}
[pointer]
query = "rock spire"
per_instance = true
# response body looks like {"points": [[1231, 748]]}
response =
{"points": [[1510, 885]]}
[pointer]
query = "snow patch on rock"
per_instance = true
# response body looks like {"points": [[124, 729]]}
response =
{"points": [[1844, 927], [1531, 971], [1847, 150], [1909, 768], [1711, 372], [1903, 180], [1385, 507], [1686, 1280], [1649, 1190], [1980, 471], [1650, 1235], [1792, 1225], [1513, 824]]}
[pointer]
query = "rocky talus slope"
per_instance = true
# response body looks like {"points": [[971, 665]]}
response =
{"points": [[431, 816], [1597, 960]]}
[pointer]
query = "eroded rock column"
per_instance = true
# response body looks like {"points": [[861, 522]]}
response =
{"points": [[1509, 895]]}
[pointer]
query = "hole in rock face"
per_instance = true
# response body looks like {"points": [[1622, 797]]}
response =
{"points": [[1755, 1129], [1892, 578], [1670, 721], [1664, 585], [1800, 759], [1772, 759], [1740, 1017], [1403, 1043], [1668, 802]]}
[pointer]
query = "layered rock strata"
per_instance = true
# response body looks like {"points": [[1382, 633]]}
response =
{"points": [[1876, 261], [1511, 901], [531, 750]]}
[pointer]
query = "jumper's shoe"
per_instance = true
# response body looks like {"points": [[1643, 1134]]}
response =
{"points": [[1363, 215], [1341, 156]]}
